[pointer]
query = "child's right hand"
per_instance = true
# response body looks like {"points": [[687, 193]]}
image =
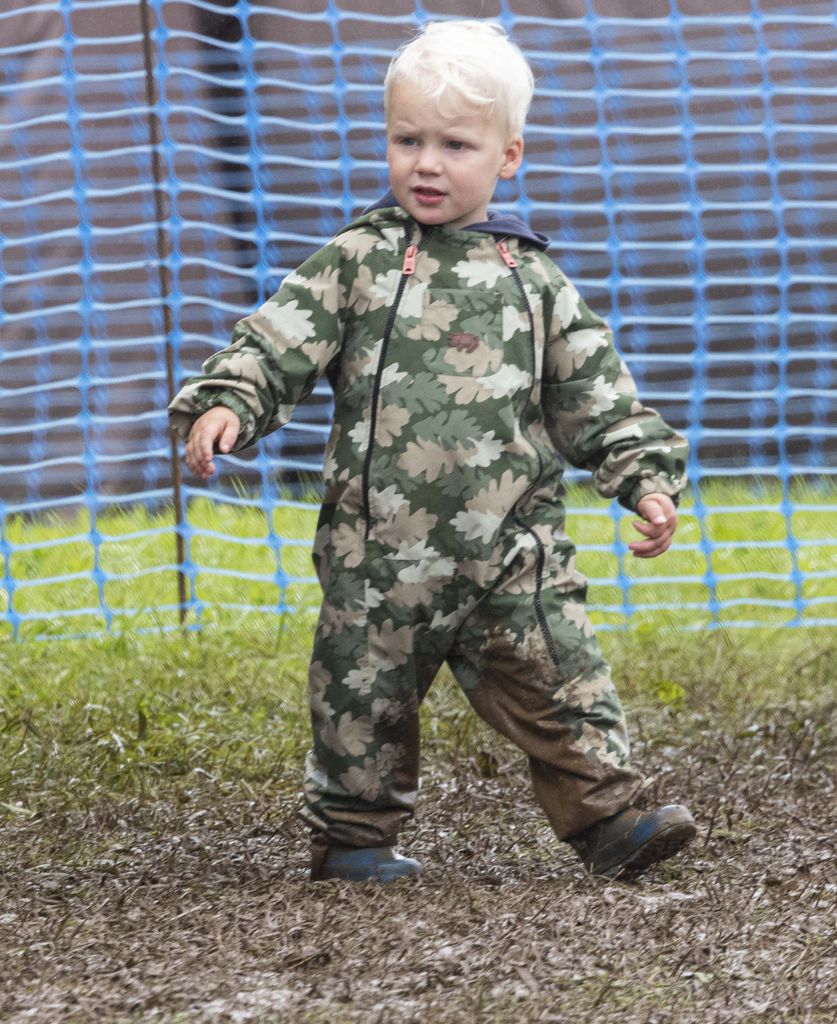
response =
{"points": [[219, 426]]}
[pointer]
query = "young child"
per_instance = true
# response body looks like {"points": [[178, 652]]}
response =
{"points": [[462, 363]]}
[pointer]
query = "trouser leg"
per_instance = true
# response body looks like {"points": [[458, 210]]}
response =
{"points": [[372, 663], [531, 667]]}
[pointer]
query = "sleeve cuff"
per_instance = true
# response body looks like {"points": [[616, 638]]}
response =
{"points": [[181, 419]]}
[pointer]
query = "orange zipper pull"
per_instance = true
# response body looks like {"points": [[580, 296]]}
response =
{"points": [[410, 259], [508, 259]]}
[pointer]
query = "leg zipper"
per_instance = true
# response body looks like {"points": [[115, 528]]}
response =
{"points": [[540, 615]]}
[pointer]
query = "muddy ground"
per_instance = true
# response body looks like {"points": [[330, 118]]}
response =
{"points": [[194, 905]]}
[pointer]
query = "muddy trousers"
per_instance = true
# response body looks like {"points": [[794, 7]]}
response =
{"points": [[525, 656]]}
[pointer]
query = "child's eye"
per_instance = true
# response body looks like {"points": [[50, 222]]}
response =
{"points": [[455, 144], [405, 140]]}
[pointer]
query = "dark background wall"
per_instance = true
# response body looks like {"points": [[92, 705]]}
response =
{"points": [[681, 156]]}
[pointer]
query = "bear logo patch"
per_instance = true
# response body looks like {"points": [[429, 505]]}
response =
{"points": [[463, 342]]}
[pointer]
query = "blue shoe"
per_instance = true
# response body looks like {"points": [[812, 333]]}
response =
{"points": [[629, 842], [367, 863]]}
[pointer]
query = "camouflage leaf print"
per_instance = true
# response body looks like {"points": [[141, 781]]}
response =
{"points": [[441, 534]]}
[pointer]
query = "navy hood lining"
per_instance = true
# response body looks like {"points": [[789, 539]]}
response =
{"points": [[501, 225]]}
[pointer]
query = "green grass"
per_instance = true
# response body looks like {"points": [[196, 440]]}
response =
{"points": [[145, 711], [241, 574], [157, 715]]}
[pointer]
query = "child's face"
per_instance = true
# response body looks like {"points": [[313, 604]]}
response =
{"points": [[444, 170]]}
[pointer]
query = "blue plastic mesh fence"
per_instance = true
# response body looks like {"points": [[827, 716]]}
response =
{"points": [[682, 159]]}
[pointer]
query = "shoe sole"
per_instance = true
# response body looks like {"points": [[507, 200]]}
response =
{"points": [[384, 874], [382, 877], [664, 844]]}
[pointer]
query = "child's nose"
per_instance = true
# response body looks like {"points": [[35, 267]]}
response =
{"points": [[428, 161]]}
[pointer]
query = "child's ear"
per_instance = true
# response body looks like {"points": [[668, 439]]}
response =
{"points": [[512, 157]]}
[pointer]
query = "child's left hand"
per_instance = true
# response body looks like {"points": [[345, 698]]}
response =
{"points": [[660, 515]]}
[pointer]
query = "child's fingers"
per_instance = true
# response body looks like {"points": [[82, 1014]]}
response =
{"points": [[658, 538], [654, 529], [200, 463], [657, 526], [218, 426], [650, 548], [229, 435], [199, 450], [654, 511]]}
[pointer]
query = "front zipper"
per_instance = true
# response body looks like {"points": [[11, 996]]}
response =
{"points": [[407, 269], [540, 614]]}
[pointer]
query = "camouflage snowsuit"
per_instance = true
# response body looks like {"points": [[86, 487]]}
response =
{"points": [[460, 362]]}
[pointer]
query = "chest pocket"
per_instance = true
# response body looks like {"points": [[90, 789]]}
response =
{"points": [[460, 334]]}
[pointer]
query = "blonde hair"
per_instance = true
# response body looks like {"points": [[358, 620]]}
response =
{"points": [[466, 65]]}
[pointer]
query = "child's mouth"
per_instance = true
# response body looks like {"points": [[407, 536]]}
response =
{"points": [[428, 196]]}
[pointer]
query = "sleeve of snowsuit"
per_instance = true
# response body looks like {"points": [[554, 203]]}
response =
{"points": [[593, 413], [277, 355]]}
